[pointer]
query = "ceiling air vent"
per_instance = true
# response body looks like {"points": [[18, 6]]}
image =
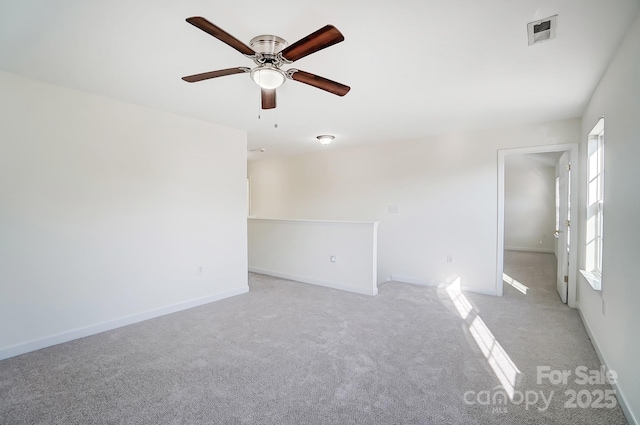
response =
{"points": [[542, 30]]}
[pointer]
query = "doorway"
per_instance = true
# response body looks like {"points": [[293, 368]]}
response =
{"points": [[561, 246]]}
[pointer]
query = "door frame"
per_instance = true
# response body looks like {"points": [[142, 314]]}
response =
{"points": [[563, 175], [572, 148]]}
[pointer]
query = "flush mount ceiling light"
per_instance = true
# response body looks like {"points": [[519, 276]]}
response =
{"points": [[268, 77], [325, 139]]}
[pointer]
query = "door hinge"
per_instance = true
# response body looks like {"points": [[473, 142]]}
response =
{"points": [[566, 279], [568, 223], [568, 167]]}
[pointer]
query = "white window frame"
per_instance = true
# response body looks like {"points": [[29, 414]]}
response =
{"points": [[595, 205]]}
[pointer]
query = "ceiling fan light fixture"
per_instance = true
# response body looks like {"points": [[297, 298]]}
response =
{"points": [[268, 77], [325, 139], [270, 53]]}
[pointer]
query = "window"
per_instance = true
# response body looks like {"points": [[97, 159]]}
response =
{"points": [[595, 198], [557, 205]]}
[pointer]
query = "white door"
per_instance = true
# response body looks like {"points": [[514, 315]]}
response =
{"points": [[563, 222]]}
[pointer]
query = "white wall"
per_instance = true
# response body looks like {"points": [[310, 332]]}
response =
{"points": [[529, 205], [107, 211], [301, 250], [615, 331], [445, 189]]}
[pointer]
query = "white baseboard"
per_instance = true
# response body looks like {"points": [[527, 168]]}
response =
{"points": [[416, 281], [631, 417], [481, 291], [435, 284], [61, 337], [318, 282], [527, 249]]}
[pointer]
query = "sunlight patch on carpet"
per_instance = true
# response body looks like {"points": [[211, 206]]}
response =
{"points": [[503, 367]]}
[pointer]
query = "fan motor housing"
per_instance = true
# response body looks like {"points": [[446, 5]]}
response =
{"points": [[268, 44]]}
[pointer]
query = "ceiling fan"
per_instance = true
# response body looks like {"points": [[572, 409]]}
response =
{"points": [[270, 53]]}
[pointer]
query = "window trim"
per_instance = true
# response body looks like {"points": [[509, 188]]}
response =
{"points": [[594, 207]]}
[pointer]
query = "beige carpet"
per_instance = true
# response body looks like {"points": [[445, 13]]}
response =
{"points": [[290, 353]]}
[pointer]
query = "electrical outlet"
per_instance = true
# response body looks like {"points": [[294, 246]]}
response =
{"points": [[449, 258], [200, 268], [332, 258]]}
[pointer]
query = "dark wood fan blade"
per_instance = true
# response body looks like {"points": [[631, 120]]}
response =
{"points": [[320, 82], [214, 74], [268, 98], [324, 37], [220, 34]]}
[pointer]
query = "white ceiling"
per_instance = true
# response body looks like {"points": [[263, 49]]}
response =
{"points": [[416, 67]]}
